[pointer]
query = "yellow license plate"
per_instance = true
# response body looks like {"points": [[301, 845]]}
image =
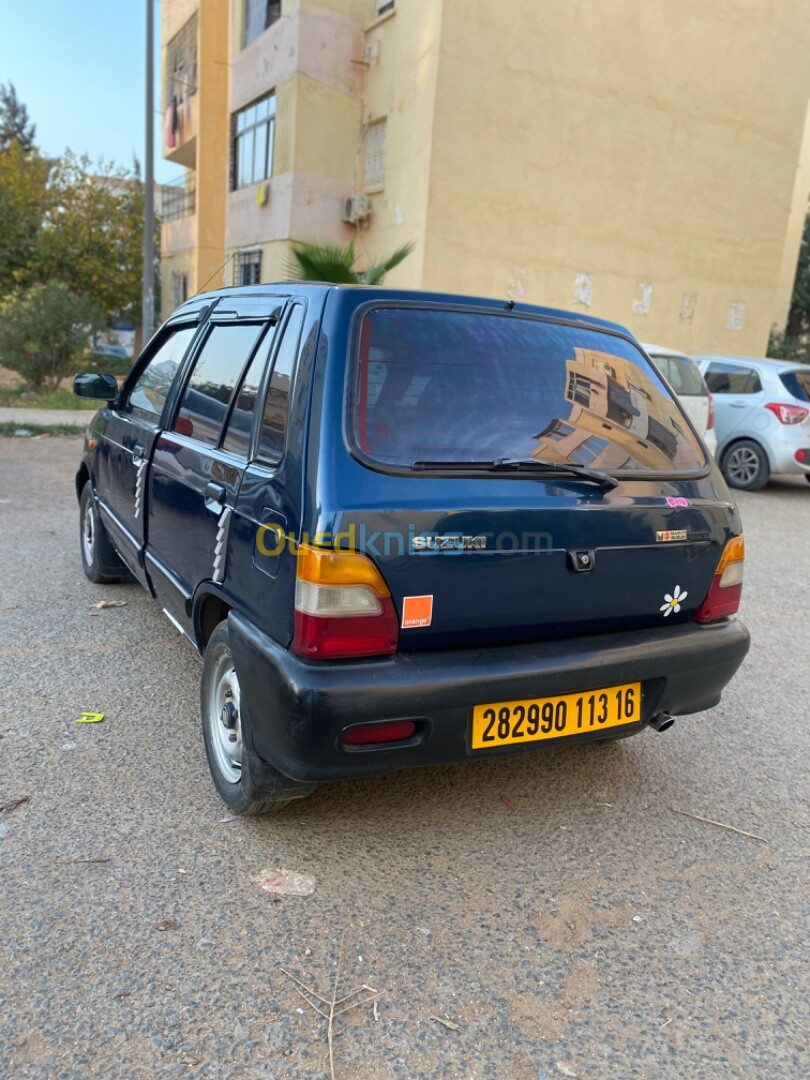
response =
{"points": [[508, 722]]}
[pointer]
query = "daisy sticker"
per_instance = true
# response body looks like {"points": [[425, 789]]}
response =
{"points": [[673, 602]]}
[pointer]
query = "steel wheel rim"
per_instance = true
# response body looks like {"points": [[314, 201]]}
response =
{"points": [[223, 719], [743, 465], [88, 534]]}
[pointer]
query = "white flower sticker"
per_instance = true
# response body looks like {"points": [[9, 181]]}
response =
{"points": [[673, 602]]}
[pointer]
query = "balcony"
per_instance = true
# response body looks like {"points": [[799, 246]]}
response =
{"points": [[177, 214], [180, 109]]}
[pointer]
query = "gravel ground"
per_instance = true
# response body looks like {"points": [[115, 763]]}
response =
{"points": [[554, 906]]}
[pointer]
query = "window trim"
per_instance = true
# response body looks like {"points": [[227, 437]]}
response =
{"points": [[352, 385], [147, 355]]}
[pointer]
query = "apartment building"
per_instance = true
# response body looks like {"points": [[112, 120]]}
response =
{"points": [[641, 160]]}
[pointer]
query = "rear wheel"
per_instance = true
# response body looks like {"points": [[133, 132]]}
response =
{"points": [[807, 477], [100, 560], [246, 783], [746, 466]]}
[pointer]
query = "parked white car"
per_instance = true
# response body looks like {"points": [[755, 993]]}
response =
{"points": [[683, 375], [763, 417]]}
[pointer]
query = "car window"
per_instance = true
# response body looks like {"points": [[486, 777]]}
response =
{"points": [[274, 420], [237, 435], [148, 395], [797, 383], [442, 385], [216, 372], [732, 379], [682, 374]]}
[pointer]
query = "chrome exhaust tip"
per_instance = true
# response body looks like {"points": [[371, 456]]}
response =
{"points": [[662, 721]]}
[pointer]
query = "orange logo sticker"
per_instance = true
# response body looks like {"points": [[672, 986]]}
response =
{"points": [[416, 611]]}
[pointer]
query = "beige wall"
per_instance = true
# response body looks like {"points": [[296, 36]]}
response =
{"points": [[651, 142]]}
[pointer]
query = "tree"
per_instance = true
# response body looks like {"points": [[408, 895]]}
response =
{"points": [[794, 342], [23, 180], [331, 262], [92, 234], [45, 333], [14, 122]]}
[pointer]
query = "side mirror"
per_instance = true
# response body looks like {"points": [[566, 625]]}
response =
{"points": [[93, 385]]}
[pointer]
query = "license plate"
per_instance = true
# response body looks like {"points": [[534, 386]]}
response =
{"points": [[508, 722]]}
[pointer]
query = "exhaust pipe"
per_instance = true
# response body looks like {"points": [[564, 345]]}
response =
{"points": [[662, 721]]}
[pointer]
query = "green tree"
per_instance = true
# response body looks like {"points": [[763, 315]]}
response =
{"points": [[92, 234], [794, 342], [331, 262], [23, 181], [45, 333], [14, 122]]}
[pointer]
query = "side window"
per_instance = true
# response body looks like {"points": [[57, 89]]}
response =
{"points": [[213, 380], [274, 420], [237, 435], [148, 395], [730, 379]]}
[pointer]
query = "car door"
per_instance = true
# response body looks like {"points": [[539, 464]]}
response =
{"points": [[194, 479], [126, 443], [738, 392]]}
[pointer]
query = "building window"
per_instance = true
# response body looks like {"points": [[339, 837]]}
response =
{"points": [[374, 169], [179, 289], [384, 5], [247, 268], [259, 15], [254, 130]]}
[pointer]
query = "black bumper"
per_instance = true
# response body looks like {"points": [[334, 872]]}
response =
{"points": [[297, 710]]}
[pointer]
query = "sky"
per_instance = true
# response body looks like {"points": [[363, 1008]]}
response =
{"points": [[78, 65]]}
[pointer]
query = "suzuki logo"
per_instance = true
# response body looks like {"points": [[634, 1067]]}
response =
{"points": [[449, 543]]}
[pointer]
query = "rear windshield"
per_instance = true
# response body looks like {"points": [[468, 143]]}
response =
{"points": [[797, 383], [682, 374], [439, 385]]}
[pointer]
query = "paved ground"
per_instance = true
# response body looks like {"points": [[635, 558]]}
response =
{"points": [[553, 906], [79, 418]]}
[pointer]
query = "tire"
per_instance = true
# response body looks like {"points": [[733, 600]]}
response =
{"points": [[807, 477], [745, 466], [246, 784], [101, 562]]}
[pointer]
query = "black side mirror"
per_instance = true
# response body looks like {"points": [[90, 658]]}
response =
{"points": [[93, 385]]}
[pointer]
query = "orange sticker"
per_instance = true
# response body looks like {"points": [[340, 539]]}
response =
{"points": [[416, 611]]}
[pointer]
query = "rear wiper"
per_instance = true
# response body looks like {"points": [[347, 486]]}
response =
{"points": [[503, 464], [582, 472]]}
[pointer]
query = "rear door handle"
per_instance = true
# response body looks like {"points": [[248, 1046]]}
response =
{"points": [[215, 493], [738, 405]]}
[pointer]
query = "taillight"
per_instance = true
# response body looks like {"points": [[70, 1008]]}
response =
{"points": [[788, 414], [342, 606], [723, 597], [373, 734], [710, 417]]}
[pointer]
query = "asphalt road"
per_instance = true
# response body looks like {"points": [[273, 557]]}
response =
{"points": [[555, 908]]}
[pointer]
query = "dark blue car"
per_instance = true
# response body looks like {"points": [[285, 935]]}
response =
{"points": [[407, 528]]}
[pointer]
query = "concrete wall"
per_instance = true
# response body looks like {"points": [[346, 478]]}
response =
{"points": [[651, 143]]}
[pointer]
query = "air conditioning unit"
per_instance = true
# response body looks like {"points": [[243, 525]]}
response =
{"points": [[356, 208]]}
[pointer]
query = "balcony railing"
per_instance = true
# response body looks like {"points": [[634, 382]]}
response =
{"points": [[179, 198]]}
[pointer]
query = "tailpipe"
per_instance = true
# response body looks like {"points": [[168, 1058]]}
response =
{"points": [[662, 721]]}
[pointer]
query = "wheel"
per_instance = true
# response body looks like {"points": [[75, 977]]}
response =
{"points": [[807, 477], [246, 784], [100, 560], [746, 466]]}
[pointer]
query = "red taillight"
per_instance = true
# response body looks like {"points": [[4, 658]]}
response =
{"points": [[723, 597], [710, 417], [342, 606], [788, 414], [802, 456], [369, 734]]}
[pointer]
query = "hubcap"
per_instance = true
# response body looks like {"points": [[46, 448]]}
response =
{"points": [[88, 534], [743, 465], [223, 719]]}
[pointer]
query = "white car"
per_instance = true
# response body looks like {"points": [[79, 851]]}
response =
{"points": [[683, 375]]}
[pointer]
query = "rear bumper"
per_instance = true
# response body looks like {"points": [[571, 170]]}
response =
{"points": [[297, 711]]}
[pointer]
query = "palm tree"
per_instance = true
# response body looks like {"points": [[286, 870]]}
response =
{"points": [[331, 262]]}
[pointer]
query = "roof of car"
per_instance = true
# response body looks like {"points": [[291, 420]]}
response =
{"points": [[662, 350], [761, 361], [284, 288]]}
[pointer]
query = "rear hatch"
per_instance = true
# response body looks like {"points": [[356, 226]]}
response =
{"points": [[533, 477]]}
